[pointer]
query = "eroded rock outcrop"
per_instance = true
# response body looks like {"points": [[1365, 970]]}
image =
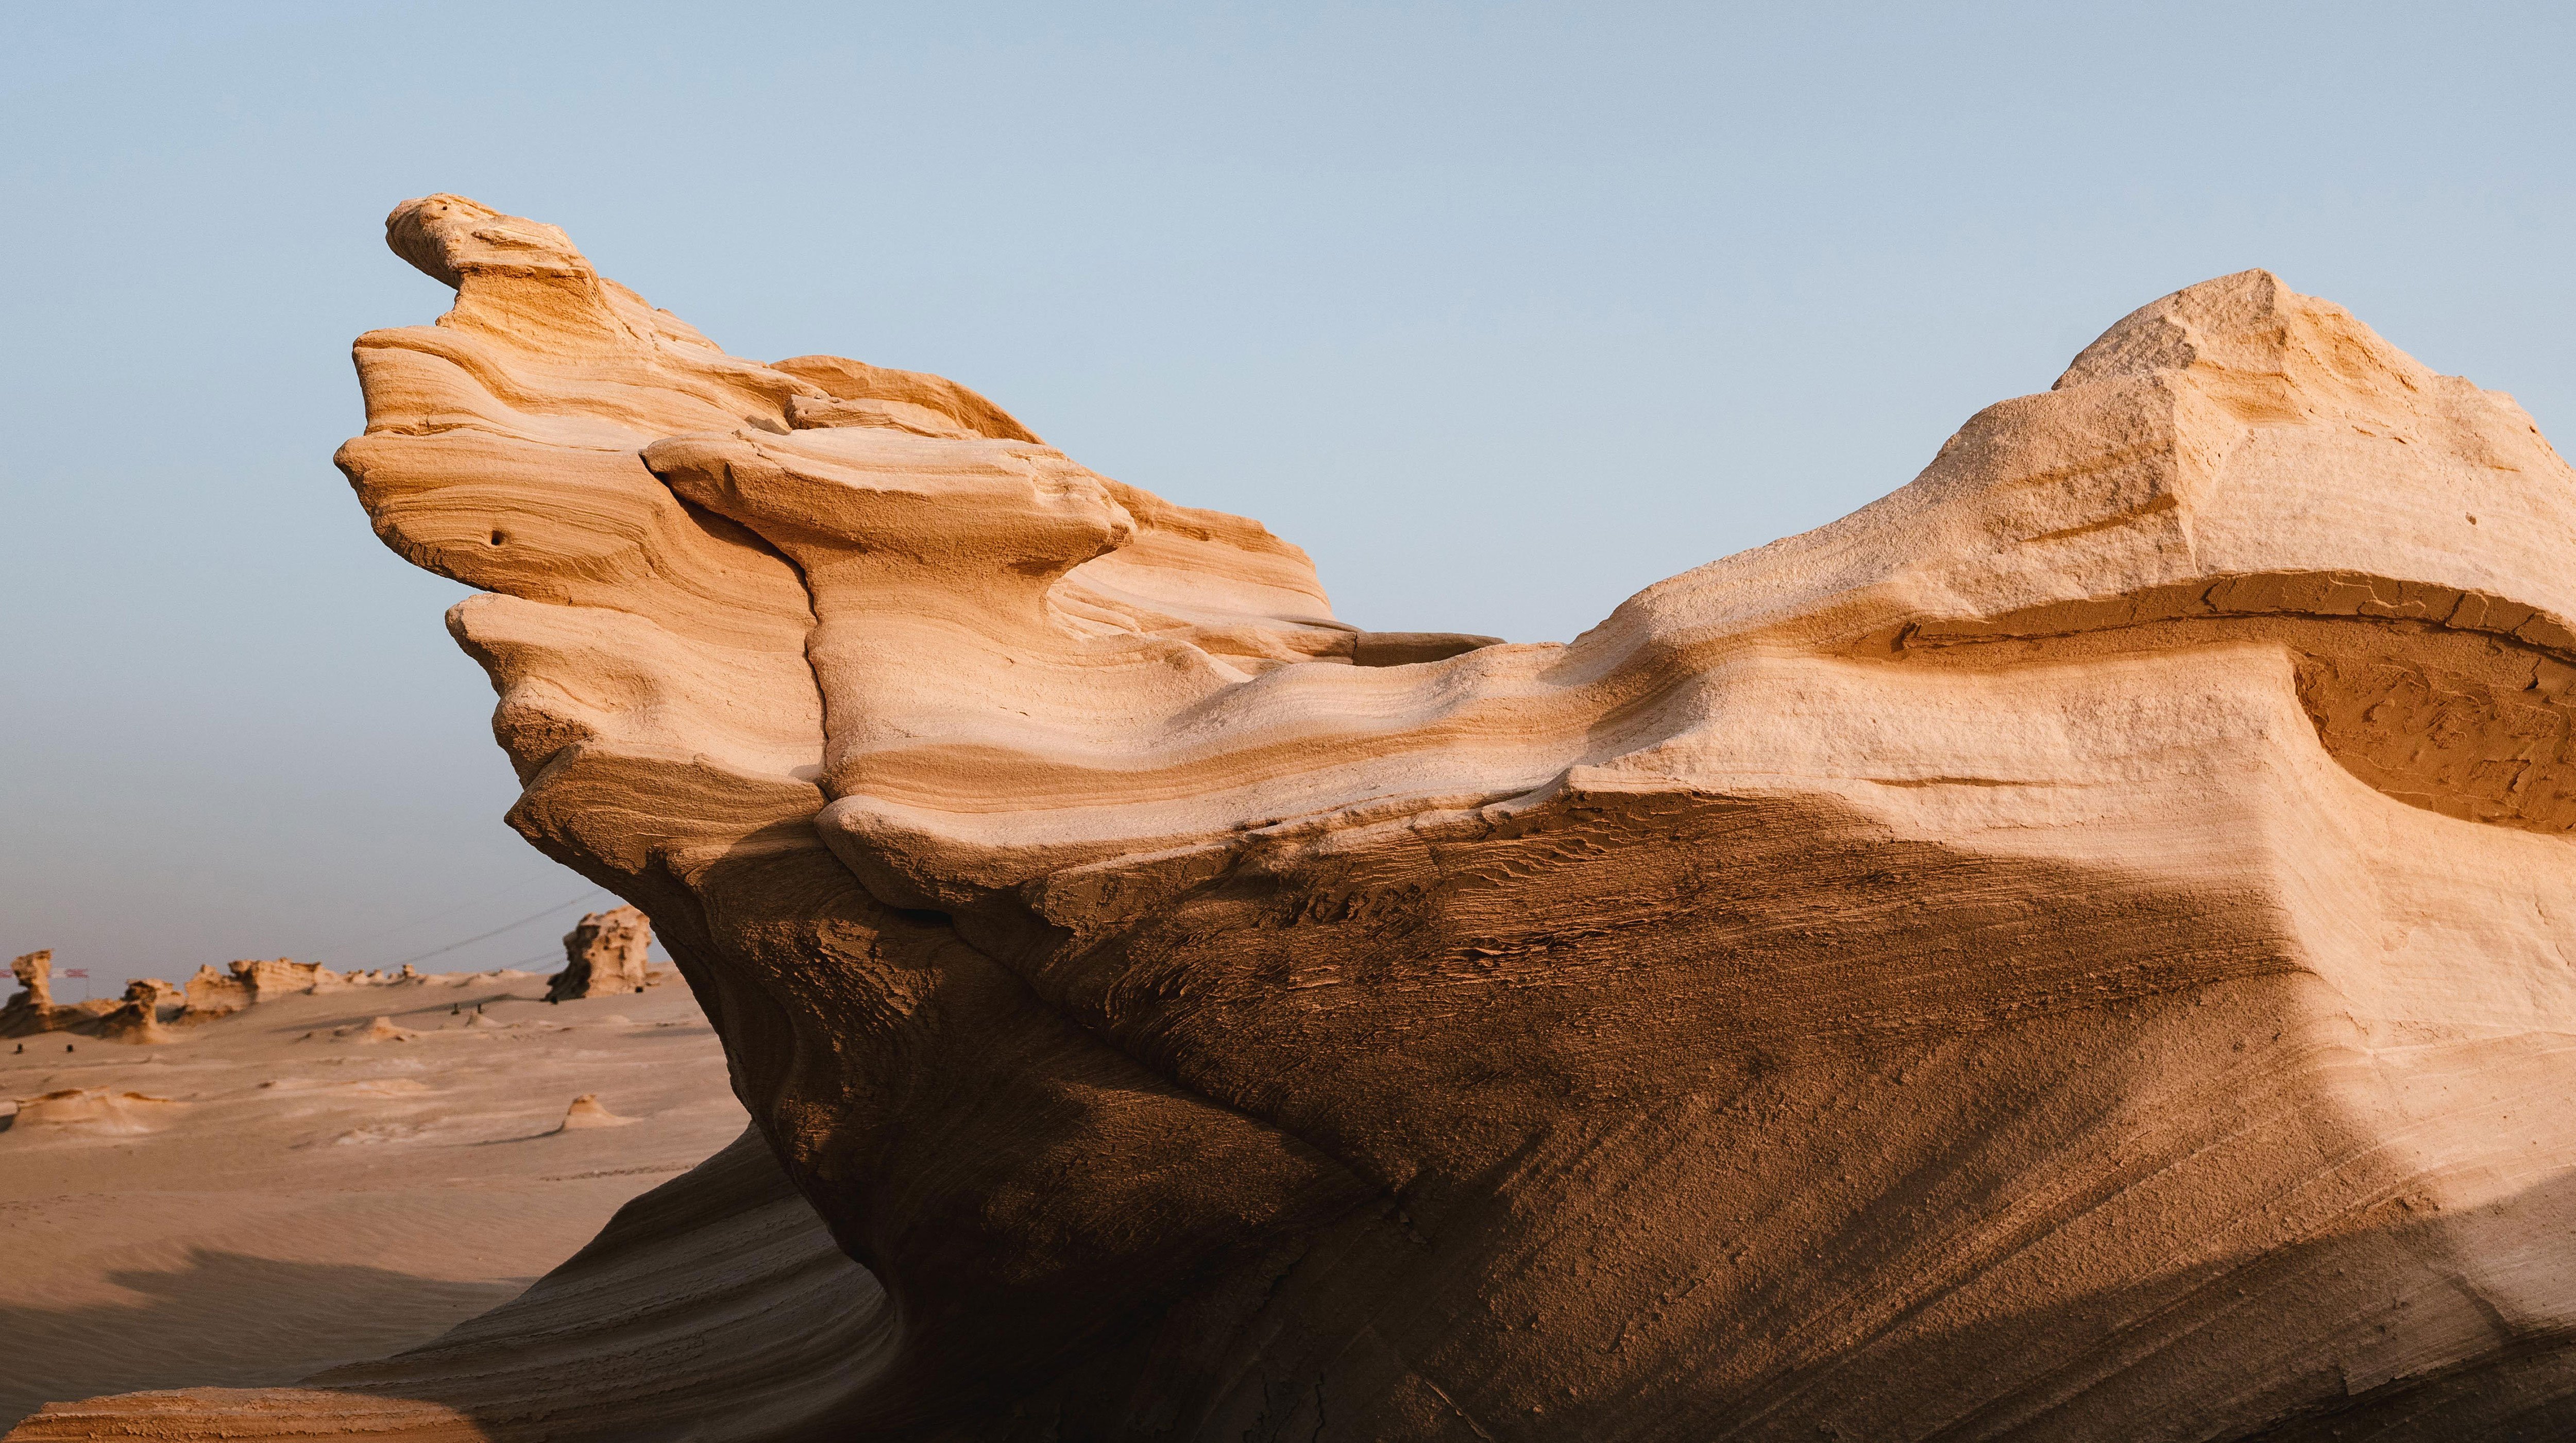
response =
{"points": [[2075, 950], [212, 993], [31, 1007], [285, 977], [138, 1017], [606, 953]]}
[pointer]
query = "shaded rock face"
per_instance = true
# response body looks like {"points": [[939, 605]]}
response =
{"points": [[606, 953], [2074, 950]]}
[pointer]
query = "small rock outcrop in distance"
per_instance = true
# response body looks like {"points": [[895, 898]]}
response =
{"points": [[31, 1007], [284, 977], [380, 1029], [138, 1018], [155, 993], [588, 1112], [35, 972], [604, 954], [212, 993]]}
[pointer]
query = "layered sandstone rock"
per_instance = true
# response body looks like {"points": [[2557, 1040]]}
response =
{"points": [[211, 993], [156, 994], [138, 1017], [606, 953], [2075, 950], [34, 972], [31, 1007], [285, 977]]}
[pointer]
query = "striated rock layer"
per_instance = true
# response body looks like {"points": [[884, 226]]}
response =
{"points": [[2075, 950]]}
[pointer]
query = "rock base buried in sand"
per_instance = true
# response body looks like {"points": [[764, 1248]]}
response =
{"points": [[381, 1029], [586, 1112], [97, 1112]]}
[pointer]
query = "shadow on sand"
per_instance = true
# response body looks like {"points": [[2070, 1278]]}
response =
{"points": [[225, 1319]]}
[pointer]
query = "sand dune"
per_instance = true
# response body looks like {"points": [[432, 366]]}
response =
{"points": [[325, 1177]]}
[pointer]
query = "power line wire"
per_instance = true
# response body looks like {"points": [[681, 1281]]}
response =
{"points": [[345, 942], [497, 931]]}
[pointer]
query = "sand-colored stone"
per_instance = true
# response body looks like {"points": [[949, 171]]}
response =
{"points": [[155, 993], [587, 1111], [2075, 950], [31, 1008], [34, 972], [138, 1017], [606, 953], [212, 993], [286, 977]]}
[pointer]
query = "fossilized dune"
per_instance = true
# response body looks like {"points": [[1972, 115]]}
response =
{"points": [[726, 1268], [2073, 950]]}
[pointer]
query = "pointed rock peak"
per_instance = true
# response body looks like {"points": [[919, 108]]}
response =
{"points": [[2265, 351]]}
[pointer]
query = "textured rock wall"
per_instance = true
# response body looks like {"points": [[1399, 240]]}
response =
{"points": [[34, 972], [2075, 950], [604, 954], [211, 992]]}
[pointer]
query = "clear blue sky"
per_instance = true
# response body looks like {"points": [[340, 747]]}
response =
{"points": [[1501, 311]]}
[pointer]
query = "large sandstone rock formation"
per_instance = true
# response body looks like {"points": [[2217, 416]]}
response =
{"points": [[2075, 950], [604, 954]]}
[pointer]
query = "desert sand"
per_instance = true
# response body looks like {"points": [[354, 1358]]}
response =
{"points": [[2076, 950], [324, 1177]]}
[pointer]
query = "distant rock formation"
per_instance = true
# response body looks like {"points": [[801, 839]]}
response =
{"points": [[606, 952], [138, 1018], [378, 1029], [35, 973], [588, 1112], [31, 1008], [211, 993], [155, 993], [2075, 949], [285, 977]]}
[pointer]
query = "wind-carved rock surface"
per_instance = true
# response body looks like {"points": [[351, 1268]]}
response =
{"points": [[605, 953], [31, 1007], [2075, 950]]}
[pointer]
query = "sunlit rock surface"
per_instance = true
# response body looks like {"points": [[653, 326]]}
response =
{"points": [[2075, 950]]}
